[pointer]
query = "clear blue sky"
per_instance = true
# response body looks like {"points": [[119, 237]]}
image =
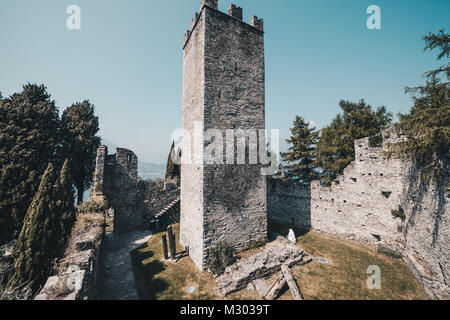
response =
{"points": [[127, 58]]}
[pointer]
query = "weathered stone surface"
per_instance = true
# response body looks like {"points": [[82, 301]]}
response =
{"points": [[261, 265], [116, 177], [359, 204], [223, 88], [78, 277]]}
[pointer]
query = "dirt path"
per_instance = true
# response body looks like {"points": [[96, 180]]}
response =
{"points": [[116, 272]]}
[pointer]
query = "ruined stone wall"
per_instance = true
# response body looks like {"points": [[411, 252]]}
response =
{"points": [[223, 89], [116, 177], [427, 233], [358, 205], [289, 203], [77, 278]]}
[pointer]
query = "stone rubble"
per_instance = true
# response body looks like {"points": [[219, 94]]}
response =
{"points": [[263, 264]]}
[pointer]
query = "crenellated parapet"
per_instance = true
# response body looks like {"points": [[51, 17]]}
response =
{"points": [[256, 22], [235, 11], [214, 4]]}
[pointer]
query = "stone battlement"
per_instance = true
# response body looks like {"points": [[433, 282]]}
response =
{"points": [[234, 12]]}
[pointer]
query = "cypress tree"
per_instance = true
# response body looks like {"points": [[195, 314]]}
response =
{"points": [[35, 250], [301, 154], [65, 211], [172, 169]]}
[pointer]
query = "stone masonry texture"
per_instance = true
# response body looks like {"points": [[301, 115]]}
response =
{"points": [[116, 177], [359, 204], [223, 88]]}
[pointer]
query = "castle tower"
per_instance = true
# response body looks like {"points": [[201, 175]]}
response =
{"points": [[223, 89]]}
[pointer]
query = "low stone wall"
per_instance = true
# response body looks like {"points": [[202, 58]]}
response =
{"points": [[289, 203], [78, 275]]}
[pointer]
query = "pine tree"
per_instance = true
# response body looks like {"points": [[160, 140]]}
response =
{"points": [[336, 149], [35, 250], [427, 125], [29, 123], [79, 127], [301, 155]]}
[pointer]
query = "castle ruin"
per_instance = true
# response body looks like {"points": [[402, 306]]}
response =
{"points": [[116, 177], [223, 88]]}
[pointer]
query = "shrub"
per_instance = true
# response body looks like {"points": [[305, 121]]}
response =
{"points": [[93, 205], [399, 213], [389, 252], [219, 257]]}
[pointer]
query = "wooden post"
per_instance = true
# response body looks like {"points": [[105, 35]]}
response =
{"points": [[295, 290], [276, 288], [164, 243], [172, 244]]}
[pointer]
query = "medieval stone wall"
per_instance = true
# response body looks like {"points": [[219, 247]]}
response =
{"points": [[359, 204], [427, 233], [191, 210], [116, 177]]}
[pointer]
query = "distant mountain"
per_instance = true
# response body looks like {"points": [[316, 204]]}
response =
{"points": [[146, 170]]}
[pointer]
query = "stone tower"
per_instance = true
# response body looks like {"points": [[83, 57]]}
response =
{"points": [[223, 89]]}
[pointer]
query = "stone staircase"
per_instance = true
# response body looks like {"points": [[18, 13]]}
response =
{"points": [[171, 211]]}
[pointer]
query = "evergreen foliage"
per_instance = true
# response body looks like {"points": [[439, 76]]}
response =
{"points": [[79, 127], [36, 247], [65, 209], [336, 147], [45, 231], [219, 257], [300, 157], [427, 125], [29, 123], [172, 169]]}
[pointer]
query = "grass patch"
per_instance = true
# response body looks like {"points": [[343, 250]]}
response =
{"points": [[344, 279], [157, 280]]}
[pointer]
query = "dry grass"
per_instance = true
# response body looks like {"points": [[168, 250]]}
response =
{"points": [[157, 280], [345, 279]]}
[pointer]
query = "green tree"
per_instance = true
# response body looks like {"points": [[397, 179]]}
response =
{"points": [[29, 123], [36, 247], [300, 157], [427, 125], [172, 169], [335, 149], [79, 127], [65, 209]]}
